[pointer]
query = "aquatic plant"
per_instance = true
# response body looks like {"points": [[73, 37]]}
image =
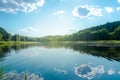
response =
{"points": [[2, 72]]}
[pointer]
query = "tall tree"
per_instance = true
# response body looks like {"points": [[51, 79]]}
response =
{"points": [[0, 36], [117, 33], [16, 37]]}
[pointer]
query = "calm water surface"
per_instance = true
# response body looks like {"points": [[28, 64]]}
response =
{"points": [[63, 61]]}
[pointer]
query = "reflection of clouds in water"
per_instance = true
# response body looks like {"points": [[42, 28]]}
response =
{"points": [[31, 54], [99, 69], [16, 76], [118, 72], [110, 71], [86, 71], [60, 70]]}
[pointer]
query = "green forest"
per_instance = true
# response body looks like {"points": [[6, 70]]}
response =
{"points": [[108, 31]]}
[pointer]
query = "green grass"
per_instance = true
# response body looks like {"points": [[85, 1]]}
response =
{"points": [[16, 42], [99, 41]]}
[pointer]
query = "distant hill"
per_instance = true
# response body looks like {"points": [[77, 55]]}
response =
{"points": [[108, 31], [110, 26]]}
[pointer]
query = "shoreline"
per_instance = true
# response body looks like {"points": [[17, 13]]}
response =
{"points": [[100, 43]]}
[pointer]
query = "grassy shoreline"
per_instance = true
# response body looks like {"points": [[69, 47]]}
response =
{"points": [[102, 43], [16, 42], [99, 41], [105, 43], [27, 42]]}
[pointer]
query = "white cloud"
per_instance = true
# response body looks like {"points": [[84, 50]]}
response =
{"points": [[59, 12], [118, 1], [29, 30], [86, 11], [109, 9], [110, 72], [118, 8], [13, 6]]}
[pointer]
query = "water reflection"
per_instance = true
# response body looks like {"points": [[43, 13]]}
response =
{"points": [[87, 71], [106, 52], [21, 76], [61, 60], [5, 50], [110, 53]]}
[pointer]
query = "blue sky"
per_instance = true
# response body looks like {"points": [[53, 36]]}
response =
{"points": [[55, 17]]}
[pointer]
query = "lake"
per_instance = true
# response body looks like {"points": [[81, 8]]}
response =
{"points": [[57, 61]]}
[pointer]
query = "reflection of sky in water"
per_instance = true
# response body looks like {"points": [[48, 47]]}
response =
{"points": [[82, 71], [58, 64], [86, 71], [89, 72], [21, 76], [60, 70], [110, 71]]}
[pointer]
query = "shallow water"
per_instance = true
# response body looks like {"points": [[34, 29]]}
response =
{"points": [[62, 61]]}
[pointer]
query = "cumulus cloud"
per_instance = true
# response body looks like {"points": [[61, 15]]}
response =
{"points": [[59, 12], [86, 11], [110, 71], [109, 9], [14, 6]]}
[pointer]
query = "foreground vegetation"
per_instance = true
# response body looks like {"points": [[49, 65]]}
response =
{"points": [[13, 75]]}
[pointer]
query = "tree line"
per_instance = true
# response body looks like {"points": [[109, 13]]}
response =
{"points": [[108, 31], [5, 36]]}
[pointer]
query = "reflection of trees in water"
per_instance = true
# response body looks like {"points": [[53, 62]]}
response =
{"points": [[6, 49], [106, 52], [110, 53]]}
